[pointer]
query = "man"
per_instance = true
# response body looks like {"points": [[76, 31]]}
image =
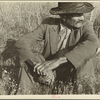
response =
{"points": [[69, 43]]}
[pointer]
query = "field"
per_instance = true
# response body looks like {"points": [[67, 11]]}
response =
{"points": [[16, 20]]}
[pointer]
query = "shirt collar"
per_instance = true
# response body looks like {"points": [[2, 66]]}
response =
{"points": [[62, 27]]}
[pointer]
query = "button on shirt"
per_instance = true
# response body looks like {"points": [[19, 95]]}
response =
{"points": [[63, 37]]}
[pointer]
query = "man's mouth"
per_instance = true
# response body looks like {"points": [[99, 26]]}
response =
{"points": [[81, 21]]}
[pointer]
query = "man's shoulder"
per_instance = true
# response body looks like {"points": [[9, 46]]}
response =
{"points": [[51, 21], [87, 22], [87, 25]]}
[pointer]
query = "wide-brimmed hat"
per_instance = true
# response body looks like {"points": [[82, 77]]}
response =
{"points": [[72, 7]]}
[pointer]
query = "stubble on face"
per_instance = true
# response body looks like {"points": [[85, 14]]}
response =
{"points": [[73, 20]]}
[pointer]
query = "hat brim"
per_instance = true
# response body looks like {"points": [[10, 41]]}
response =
{"points": [[83, 9]]}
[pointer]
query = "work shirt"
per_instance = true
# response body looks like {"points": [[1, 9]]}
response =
{"points": [[64, 33]]}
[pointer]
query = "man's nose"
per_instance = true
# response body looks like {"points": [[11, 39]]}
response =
{"points": [[81, 18]]}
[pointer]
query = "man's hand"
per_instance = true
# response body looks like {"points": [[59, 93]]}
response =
{"points": [[42, 68], [48, 80]]}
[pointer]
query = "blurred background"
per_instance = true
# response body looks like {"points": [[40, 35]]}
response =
{"points": [[16, 20]]}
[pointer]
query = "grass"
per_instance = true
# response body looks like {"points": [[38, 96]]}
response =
{"points": [[16, 20]]}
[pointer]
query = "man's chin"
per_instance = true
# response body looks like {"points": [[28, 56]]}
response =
{"points": [[78, 26]]}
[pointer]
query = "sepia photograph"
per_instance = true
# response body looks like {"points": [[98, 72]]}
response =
{"points": [[49, 48]]}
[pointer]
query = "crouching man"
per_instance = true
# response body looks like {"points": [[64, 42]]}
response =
{"points": [[69, 45]]}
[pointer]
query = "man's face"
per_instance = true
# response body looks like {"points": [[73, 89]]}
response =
{"points": [[74, 20]]}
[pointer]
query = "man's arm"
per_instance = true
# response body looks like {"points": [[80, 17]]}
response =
{"points": [[86, 49], [24, 44], [79, 55]]}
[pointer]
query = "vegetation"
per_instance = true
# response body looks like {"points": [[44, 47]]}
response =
{"points": [[16, 20]]}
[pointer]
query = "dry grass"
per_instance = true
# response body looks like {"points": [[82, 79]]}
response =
{"points": [[16, 20]]}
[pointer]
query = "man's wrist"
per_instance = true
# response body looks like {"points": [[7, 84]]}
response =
{"points": [[31, 62], [62, 60]]}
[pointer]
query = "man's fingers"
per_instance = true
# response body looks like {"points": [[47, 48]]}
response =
{"points": [[39, 69], [42, 68], [45, 73], [35, 67]]}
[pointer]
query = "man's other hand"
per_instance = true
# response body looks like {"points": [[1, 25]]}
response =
{"points": [[42, 68]]}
